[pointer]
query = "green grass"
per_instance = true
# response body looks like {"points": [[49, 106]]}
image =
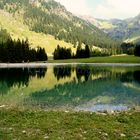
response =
{"points": [[29, 125], [112, 59]]}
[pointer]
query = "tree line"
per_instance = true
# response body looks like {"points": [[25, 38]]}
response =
{"points": [[130, 48], [66, 53], [14, 51], [86, 52], [137, 50]]}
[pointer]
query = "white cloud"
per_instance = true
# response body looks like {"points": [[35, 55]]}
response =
{"points": [[76, 6], [103, 8], [117, 9]]}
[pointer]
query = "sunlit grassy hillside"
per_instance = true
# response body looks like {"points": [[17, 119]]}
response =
{"points": [[18, 30], [106, 25], [134, 39]]}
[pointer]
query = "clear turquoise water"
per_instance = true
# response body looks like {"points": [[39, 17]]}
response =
{"points": [[71, 87]]}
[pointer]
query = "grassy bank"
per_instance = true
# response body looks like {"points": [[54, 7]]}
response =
{"points": [[15, 124], [112, 59]]}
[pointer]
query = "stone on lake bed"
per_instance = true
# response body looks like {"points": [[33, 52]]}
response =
{"points": [[24, 132], [105, 112], [122, 135], [101, 113], [10, 129], [46, 136], [2, 106], [105, 134], [108, 111]]}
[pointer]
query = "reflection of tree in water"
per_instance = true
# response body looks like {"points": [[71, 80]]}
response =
{"points": [[62, 72], [40, 72], [18, 77], [137, 76], [83, 71], [130, 76]]}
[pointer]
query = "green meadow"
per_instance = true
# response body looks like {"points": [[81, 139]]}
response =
{"points": [[111, 59]]}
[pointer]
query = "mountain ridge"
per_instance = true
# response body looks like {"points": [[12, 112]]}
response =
{"points": [[127, 30], [51, 18]]}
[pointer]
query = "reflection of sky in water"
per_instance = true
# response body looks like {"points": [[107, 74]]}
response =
{"points": [[102, 107], [85, 87]]}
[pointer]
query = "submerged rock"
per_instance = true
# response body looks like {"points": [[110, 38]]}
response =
{"points": [[24, 132], [105, 134], [10, 128], [46, 137], [2, 106], [122, 135]]}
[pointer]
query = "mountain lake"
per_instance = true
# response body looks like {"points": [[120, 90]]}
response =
{"points": [[76, 87]]}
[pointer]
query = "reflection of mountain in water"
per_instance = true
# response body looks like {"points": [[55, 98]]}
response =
{"points": [[99, 85], [18, 77]]}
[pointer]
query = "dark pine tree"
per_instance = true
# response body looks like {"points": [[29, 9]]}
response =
{"points": [[83, 53], [62, 53], [137, 50], [87, 51], [41, 54], [13, 51]]}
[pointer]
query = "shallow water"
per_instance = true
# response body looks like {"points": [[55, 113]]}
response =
{"points": [[71, 87]]}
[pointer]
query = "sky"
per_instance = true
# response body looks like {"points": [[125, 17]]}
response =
{"points": [[105, 9]]}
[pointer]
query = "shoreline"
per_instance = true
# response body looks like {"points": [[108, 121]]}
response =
{"points": [[99, 112], [43, 65]]}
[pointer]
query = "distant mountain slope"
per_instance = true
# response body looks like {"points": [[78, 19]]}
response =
{"points": [[47, 17], [127, 30]]}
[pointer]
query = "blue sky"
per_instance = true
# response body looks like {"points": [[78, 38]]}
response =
{"points": [[105, 9]]}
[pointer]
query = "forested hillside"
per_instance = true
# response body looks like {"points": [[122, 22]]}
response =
{"points": [[51, 18]]}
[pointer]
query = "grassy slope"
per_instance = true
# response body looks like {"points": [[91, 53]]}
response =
{"points": [[29, 125], [112, 59], [18, 30]]}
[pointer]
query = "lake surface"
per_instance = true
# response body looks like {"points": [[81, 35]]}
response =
{"points": [[71, 87]]}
